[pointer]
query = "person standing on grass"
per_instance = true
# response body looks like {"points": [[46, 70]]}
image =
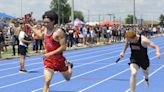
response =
{"points": [[22, 48], [54, 43], [139, 57]]}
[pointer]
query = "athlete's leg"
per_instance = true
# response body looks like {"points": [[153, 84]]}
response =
{"points": [[67, 75], [48, 73], [146, 75], [22, 52], [22, 61], [134, 69]]}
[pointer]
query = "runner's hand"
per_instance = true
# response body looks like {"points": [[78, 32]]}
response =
{"points": [[158, 55], [121, 54], [47, 55]]}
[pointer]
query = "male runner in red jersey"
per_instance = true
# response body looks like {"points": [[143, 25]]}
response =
{"points": [[54, 44]]}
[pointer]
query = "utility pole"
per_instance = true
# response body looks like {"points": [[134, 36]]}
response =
{"points": [[99, 17], [134, 12], [72, 13], [88, 16], [152, 22], [21, 9], [114, 18], [110, 15], [120, 20], [58, 12]]}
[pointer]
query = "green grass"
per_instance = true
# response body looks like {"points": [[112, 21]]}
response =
{"points": [[10, 51]]}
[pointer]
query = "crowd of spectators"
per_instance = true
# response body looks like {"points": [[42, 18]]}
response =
{"points": [[77, 36]]}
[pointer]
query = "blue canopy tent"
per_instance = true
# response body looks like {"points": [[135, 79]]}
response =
{"points": [[2, 23], [4, 15]]}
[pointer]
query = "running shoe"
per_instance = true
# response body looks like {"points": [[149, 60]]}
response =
{"points": [[23, 71], [147, 82]]}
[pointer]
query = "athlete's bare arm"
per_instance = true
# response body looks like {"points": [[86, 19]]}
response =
{"points": [[60, 37], [125, 47], [35, 30], [146, 42]]}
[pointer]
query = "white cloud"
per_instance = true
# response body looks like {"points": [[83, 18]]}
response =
{"points": [[13, 7], [121, 8]]}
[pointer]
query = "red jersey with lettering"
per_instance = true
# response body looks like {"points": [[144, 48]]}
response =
{"points": [[56, 62]]}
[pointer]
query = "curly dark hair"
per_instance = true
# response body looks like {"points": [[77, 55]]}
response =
{"points": [[52, 15]]}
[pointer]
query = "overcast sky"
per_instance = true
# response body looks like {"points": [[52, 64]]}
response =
{"points": [[147, 9]]}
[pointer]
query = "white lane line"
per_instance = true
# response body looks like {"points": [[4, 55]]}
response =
{"points": [[75, 67], [108, 78], [104, 80], [34, 78], [71, 60], [82, 74], [138, 83], [77, 54], [83, 64], [9, 75], [30, 59], [149, 75], [19, 66], [88, 52]]}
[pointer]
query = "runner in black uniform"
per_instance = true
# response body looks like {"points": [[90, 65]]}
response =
{"points": [[139, 54], [139, 57]]}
